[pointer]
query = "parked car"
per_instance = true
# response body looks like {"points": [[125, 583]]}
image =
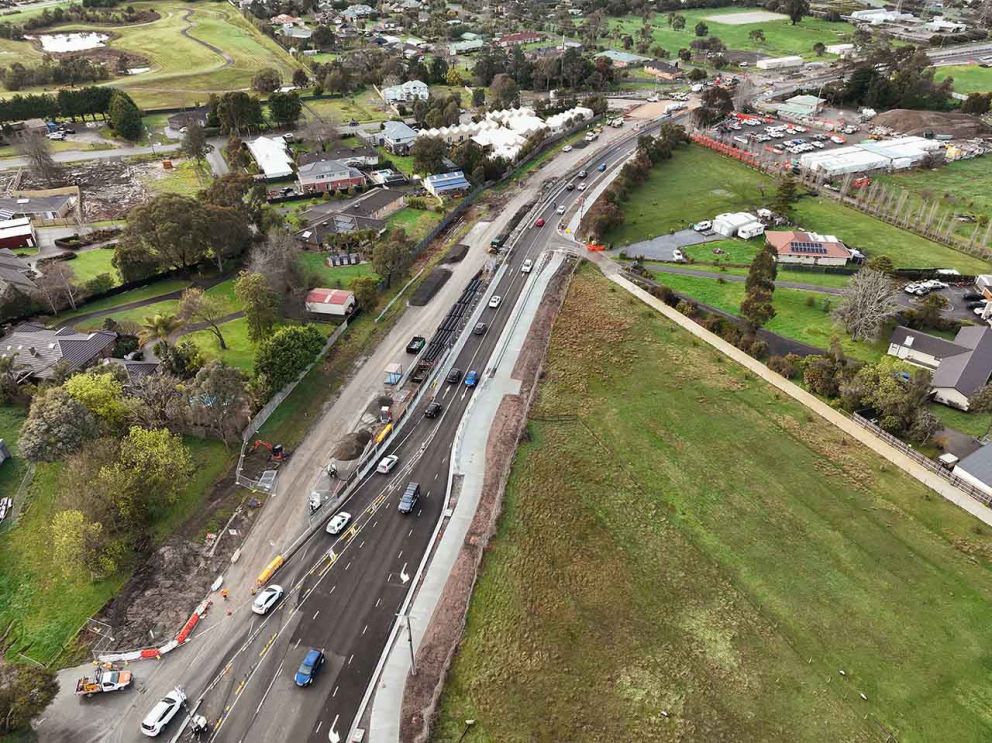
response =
{"points": [[307, 671], [526, 266], [266, 599], [971, 296], [480, 328], [837, 139], [678, 256], [416, 345], [386, 464], [166, 708], [975, 305], [337, 524], [472, 378], [433, 410], [454, 375], [57, 136], [495, 301], [979, 310], [567, 148], [702, 226]]}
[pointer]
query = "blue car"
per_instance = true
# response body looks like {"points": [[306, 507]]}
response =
{"points": [[602, 167], [309, 667], [472, 378]]}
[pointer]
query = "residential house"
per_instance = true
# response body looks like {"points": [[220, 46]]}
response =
{"points": [[357, 12], [17, 131], [662, 70], [961, 367], [318, 235], [446, 183], [976, 469], [17, 233], [623, 60], [940, 25], [296, 32], [285, 20], [336, 302], [809, 248], [272, 156], [411, 90], [186, 118], [135, 370], [14, 273], [516, 39], [37, 350], [395, 136], [379, 203], [737, 224], [41, 206], [322, 176], [466, 47]]}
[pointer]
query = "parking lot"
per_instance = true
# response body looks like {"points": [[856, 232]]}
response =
{"points": [[964, 298], [769, 136]]}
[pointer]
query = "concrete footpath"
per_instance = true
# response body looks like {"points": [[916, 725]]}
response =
{"points": [[468, 462]]}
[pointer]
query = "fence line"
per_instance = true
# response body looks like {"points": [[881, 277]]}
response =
{"points": [[980, 495]]}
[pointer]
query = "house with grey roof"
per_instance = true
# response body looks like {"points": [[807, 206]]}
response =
{"points": [[41, 206], [395, 136], [14, 273], [960, 367], [38, 351], [976, 468]]}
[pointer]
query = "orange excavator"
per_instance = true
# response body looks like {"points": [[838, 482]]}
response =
{"points": [[276, 451]]}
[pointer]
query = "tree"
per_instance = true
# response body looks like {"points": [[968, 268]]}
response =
{"points": [[195, 142], [37, 150], [197, 306], [237, 112], [930, 309], [300, 78], [819, 48], [25, 691], [260, 305], [757, 36], [391, 257], [57, 425], [56, 286], [182, 360], [981, 401], [277, 258], [716, 103], [157, 328], [977, 103], [701, 29], [478, 97], [228, 232], [881, 263], [902, 405], [428, 155], [266, 80], [503, 92], [454, 78], [785, 195], [285, 108], [678, 23], [102, 394], [125, 116], [171, 230], [366, 291], [796, 9], [219, 401], [75, 542], [759, 286], [281, 357], [152, 470], [868, 303]]}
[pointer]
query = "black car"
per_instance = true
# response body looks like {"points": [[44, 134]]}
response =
{"points": [[454, 375], [416, 345], [409, 499], [975, 305], [480, 328], [433, 410], [971, 296], [570, 187]]}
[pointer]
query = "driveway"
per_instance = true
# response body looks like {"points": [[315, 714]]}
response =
{"points": [[662, 248]]}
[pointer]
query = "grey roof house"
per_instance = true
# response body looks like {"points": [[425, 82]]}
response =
{"points": [[38, 349], [14, 273], [976, 468], [395, 136], [53, 206], [960, 367]]}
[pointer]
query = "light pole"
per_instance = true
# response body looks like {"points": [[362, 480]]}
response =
{"points": [[409, 639], [468, 726]]}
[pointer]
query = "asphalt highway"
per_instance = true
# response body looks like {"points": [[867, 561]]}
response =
{"points": [[343, 593]]}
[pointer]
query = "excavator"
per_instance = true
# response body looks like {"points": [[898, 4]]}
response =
{"points": [[276, 452]]}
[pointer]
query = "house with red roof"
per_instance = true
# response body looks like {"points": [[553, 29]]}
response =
{"points": [[336, 302], [810, 248]]}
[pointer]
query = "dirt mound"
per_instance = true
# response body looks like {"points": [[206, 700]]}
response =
{"points": [[351, 446], [430, 286], [958, 125], [456, 253]]}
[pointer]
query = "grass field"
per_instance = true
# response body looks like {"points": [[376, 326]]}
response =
{"points": [[697, 184], [732, 251], [815, 278], [794, 317], [336, 277], [781, 38], [44, 609], [416, 222], [364, 105], [182, 48], [240, 351], [961, 186], [91, 263], [185, 178], [973, 424], [135, 315], [678, 536], [968, 78], [13, 469]]}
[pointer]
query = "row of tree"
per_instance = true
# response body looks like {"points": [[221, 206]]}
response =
{"points": [[67, 103], [64, 71]]}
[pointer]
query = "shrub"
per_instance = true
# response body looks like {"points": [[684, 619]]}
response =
{"points": [[787, 366], [287, 352]]}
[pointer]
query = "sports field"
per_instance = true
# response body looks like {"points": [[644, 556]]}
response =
{"points": [[194, 50], [679, 538], [968, 78], [781, 37]]}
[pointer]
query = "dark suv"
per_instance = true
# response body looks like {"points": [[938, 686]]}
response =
{"points": [[416, 345], [433, 410], [454, 375], [410, 497]]}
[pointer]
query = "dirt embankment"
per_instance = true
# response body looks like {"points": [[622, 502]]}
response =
{"points": [[958, 125], [423, 691]]}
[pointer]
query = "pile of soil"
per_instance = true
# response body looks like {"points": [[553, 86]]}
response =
{"points": [[456, 253], [430, 286], [958, 125], [351, 445]]}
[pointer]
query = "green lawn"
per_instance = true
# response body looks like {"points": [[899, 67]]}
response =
{"points": [[185, 69], [135, 315], [697, 184], [363, 105], [185, 178], [968, 78], [402, 163], [679, 537], [815, 278], [794, 318], [740, 252], [240, 351], [336, 277], [781, 38], [134, 295], [973, 424], [416, 222], [11, 471], [91, 263], [962, 186], [44, 610]]}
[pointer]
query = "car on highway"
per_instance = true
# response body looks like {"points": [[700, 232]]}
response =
{"points": [[416, 345], [581, 187], [582, 174], [702, 226], [539, 222], [410, 497], [433, 410], [337, 524], [495, 301], [570, 187], [265, 600], [560, 209], [166, 708], [526, 266], [307, 671], [480, 328], [472, 378], [567, 148], [386, 464], [601, 168], [454, 375]]}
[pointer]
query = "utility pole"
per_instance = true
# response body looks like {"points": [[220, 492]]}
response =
{"points": [[409, 639]]}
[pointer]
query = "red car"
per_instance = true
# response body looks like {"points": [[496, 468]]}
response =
{"points": [[539, 222]]}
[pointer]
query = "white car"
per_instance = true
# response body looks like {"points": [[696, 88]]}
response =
{"points": [[265, 600], [702, 226], [156, 720], [567, 148], [678, 256], [911, 288], [495, 301], [560, 209], [338, 523], [57, 136], [581, 187], [526, 266], [386, 464], [980, 310]]}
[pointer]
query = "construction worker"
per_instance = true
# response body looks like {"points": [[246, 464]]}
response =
{"points": [[224, 593]]}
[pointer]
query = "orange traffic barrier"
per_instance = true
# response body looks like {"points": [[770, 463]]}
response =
{"points": [[150, 653], [270, 570], [187, 629]]}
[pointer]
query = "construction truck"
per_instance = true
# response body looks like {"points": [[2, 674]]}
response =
{"points": [[105, 679]]}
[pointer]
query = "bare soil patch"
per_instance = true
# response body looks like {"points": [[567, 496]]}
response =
{"points": [[958, 125]]}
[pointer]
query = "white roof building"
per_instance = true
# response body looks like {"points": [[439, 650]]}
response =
{"points": [[886, 154], [779, 63], [561, 121], [729, 223], [272, 156], [411, 90], [878, 16], [501, 142]]}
